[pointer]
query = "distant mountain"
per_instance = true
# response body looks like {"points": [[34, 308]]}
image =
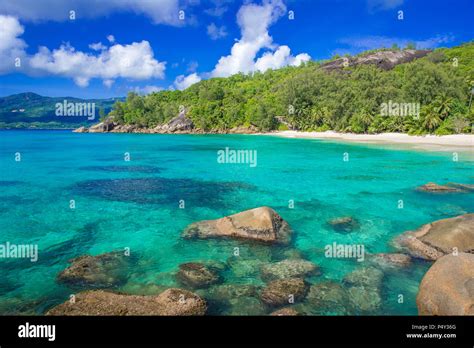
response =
{"points": [[30, 110]]}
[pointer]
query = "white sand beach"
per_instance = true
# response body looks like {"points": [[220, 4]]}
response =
{"points": [[462, 142]]}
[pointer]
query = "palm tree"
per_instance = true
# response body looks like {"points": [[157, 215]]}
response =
{"points": [[432, 119], [443, 106]]}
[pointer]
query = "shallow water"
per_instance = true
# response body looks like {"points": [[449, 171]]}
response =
{"points": [[135, 204]]}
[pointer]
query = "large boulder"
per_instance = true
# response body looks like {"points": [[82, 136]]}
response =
{"points": [[101, 271], [448, 287], [80, 130], [434, 240], [178, 124], [173, 302], [260, 224], [197, 275], [284, 291], [290, 268]]}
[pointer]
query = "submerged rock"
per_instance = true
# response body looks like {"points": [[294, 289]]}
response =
{"points": [[448, 287], [260, 224], [364, 289], [228, 292], [344, 224], [174, 302], [285, 312], [284, 291], [244, 268], [434, 240], [197, 275], [464, 187], [101, 271], [435, 188], [246, 305], [290, 268], [328, 298], [365, 300], [364, 276], [390, 260]]}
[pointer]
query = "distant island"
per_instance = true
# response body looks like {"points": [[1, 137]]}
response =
{"points": [[33, 111]]}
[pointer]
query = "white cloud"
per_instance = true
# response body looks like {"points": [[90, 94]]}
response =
{"points": [[182, 82], [147, 89], [160, 11], [254, 21], [11, 47], [216, 32], [220, 7], [98, 46], [134, 61], [281, 57], [374, 42], [111, 38], [380, 5]]}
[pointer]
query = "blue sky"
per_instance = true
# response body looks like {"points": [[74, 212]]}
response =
{"points": [[115, 46]]}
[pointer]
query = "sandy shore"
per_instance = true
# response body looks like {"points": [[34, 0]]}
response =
{"points": [[464, 142]]}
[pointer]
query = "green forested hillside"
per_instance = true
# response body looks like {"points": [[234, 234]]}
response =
{"points": [[30, 110], [311, 98]]}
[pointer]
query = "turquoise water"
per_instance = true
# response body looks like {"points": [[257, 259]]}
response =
{"points": [[135, 204]]}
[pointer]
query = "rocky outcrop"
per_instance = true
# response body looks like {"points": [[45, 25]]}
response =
{"points": [[448, 287], [197, 275], [80, 130], [172, 302], [284, 291], [385, 60], [101, 271], [178, 124], [344, 224], [260, 224], [291, 268], [435, 188], [434, 240]]}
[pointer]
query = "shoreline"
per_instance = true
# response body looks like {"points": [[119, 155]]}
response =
{"points": [[464, 142]]}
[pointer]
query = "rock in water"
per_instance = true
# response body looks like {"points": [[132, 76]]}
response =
{"points": [[434, 240], [284, 291], [344, 224], [435, 188], [80, 130], [196, 275], [291, 268], [448, 287], [260, 224], [285, 312], [364, 289], [365, 276], [173, 302], [388, 261], [328, 298], [101, 271]]}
